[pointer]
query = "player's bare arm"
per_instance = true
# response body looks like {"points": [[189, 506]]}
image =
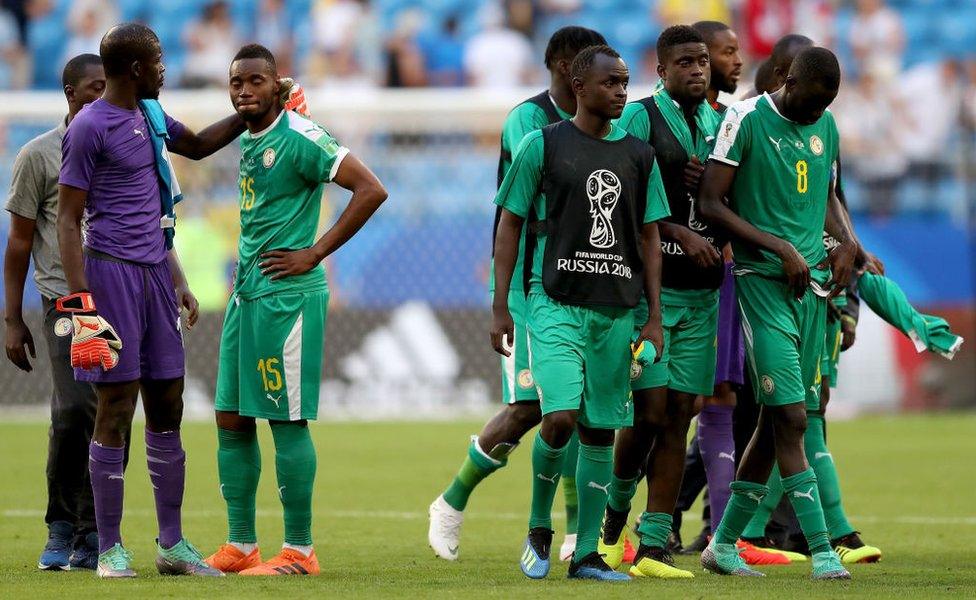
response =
{"points": [[367, 196], [71, 206], [694, 245], [715, 185], [843, 257], [200, 145], [16, 261], [184, 297], [651, 247], [506, 252]]}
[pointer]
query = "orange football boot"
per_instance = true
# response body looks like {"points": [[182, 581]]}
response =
{"points": [[755, 556], [289, 562], [229, 559]]}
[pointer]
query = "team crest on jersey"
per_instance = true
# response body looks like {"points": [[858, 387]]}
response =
{"points": [[816, 145], [768, 387], [268, 158], [603, 191], [62, 327], [635, 370], [525, 379]]}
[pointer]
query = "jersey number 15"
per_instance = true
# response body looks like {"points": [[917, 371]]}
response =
{"points": [[247, 193]]}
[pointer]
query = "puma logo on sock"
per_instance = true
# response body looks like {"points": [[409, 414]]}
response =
{"points": [[603, 488], [727, 455], [551, 479], [807, 494]]}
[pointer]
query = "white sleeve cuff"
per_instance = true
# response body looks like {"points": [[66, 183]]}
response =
{"points": [[341, 154], [724, 159]]}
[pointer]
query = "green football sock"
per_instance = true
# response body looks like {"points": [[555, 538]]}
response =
{"points": [[239, 469], [757, 525], [476, 466], [547, 465], [592, 485], [743, 503], [889, 302], [815, 443], [802, 491], [654, 529], [622, 492], [295, 463], [569, 484]]}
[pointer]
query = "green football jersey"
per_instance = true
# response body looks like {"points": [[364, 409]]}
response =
{"points": [[523, 119], [782, 180], [283, 173]]}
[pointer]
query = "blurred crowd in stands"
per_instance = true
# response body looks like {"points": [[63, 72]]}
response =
{"points": [[907, 110]]}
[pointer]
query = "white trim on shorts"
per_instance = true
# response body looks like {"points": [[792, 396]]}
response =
{"points": [[292, 357]]}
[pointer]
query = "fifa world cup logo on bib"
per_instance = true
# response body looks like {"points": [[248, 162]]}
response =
{"points": [[603, 191], [694, 223]]}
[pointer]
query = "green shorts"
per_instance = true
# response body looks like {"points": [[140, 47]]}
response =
{"points": [[580, 359], [831, 352], [270, 364], [517, 382], [784, 340], [688, 358]]}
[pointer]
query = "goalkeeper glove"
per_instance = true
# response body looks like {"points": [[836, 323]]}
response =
{"points": [[292, 97], [94, 342]]}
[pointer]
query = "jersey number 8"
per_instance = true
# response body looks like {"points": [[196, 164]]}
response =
{"points": [[801, 176]]}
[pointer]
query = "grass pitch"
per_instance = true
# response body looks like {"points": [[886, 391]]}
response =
{"points": [[908, 485]]}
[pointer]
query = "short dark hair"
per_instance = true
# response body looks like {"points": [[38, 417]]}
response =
{"points": [[257, 51], [568, 41], [75, 69], [676, 35], [786, 48], [125, 43], [818, 65], [587, 56], [765, 78], [708, 29]]}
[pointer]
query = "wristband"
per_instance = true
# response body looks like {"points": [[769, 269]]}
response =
{"points": [[80, 302]]}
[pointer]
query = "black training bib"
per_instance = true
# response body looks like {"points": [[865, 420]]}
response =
{"points": [[543, 101], [678, 271], [596, 195]]}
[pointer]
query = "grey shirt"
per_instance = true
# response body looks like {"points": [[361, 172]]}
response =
{"points": [[34, 195]]}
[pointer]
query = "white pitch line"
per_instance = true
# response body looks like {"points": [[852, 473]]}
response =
{"points": [[498, 516]]}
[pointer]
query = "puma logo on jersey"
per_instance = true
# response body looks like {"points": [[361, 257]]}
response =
{"points": [[139, 133], [807, 494], [274, 399], [820, 455], [775, 142], [727, 455], [603, 488], [551, 479]]}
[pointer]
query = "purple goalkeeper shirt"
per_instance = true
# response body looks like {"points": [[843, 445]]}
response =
{"points": [[107, 152]]}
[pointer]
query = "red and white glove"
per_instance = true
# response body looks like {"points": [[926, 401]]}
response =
{"points": [[293, 97], [94, 342]]}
